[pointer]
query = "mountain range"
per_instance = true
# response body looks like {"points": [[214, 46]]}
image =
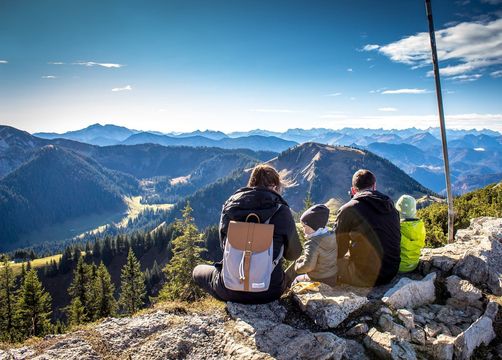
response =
{"points": [[473, 153], [49, 181]]}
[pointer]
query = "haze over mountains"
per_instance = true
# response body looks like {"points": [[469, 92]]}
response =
{"points": [[475, 155]]}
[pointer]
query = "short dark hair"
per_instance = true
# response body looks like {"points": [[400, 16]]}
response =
{"points": [[363, 179]]}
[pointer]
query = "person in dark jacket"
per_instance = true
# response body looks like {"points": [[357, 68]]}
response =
{"points": [[368, 228], [262, 197]]}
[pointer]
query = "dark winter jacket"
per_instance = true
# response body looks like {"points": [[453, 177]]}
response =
{"points": [[264, 203], [368, 227]]}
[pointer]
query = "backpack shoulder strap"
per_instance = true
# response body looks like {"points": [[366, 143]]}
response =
{"points": [[275, 212], [281, 252]]}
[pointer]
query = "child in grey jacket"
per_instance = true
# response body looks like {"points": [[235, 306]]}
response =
{"points": [[320, 253]]}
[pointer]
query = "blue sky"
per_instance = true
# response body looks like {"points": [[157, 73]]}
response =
{"points": [[238, 65]]}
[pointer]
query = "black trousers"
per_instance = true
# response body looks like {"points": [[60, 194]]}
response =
{"points": [[209, 278]]}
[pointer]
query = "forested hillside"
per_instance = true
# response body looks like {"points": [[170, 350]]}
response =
{"points": [[483, 202], [56, 185]]}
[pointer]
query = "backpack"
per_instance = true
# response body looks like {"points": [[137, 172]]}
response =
{"points": [[248, 257]]}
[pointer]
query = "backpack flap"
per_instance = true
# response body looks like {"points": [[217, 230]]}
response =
{"points": [[250, 236]]}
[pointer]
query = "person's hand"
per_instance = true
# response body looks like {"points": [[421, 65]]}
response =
{"points": [[300, 278]]}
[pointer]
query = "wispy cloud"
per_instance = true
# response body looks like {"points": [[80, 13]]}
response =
{"points": [[465, 77], [272, 110], [55, 63], [387, 109], [334, 94], [125, 88], [466, 47], [92, 63], [404, 91], [350, 70], [3, 61], [48, 77], [371, 47], [496, 74]]}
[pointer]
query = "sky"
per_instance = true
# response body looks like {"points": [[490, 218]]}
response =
{"points": [[236, 65]]}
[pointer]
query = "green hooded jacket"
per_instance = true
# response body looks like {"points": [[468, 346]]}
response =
{"points": [[412, 241]]}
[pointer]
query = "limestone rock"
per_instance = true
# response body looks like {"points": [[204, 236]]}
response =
{"points": [[480, 332], [329, 307], [259, 331], [462, 290], [387, 324], [418, 336], [443, 347], [355, 351], [359, 329], [388, 346], [409, 293], [407, 317], [476, 255]]}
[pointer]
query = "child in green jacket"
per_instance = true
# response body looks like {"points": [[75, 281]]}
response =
{"points": [[412, 233]]}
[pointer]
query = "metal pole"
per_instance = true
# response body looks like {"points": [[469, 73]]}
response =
{"points": [[451, 215]]}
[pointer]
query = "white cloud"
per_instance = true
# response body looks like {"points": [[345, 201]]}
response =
{"points": [[3, 61], [465, 47], [125, 88], [48, 77], [92, 63], [466, 77], [350, 70], [335, 94], [496, 74], [55, 63], [276, 111], [371, 47], [404, 91], [387, 109], [492, 2]]}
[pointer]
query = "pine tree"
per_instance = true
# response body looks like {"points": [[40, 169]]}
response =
{"points": [[106, 305], [65, 262], [186, 251], [132, 285], [7, 302], [81, 287], [76, 312], [307, 202], [33, 306]]}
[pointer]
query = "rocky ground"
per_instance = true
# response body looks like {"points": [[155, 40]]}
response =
{"points": [[448, 309]]}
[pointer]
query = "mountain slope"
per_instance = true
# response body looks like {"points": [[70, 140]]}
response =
{"points": [[54, 186], [326, 171], [16, 147]]}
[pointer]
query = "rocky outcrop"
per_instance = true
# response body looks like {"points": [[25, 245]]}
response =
{"points": [[444, 311], [476, 255], [259, 332], [411, 293], [326, 306]]}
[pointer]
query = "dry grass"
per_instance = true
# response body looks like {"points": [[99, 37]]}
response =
{"points": [[37, 263], [206, 305]]}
